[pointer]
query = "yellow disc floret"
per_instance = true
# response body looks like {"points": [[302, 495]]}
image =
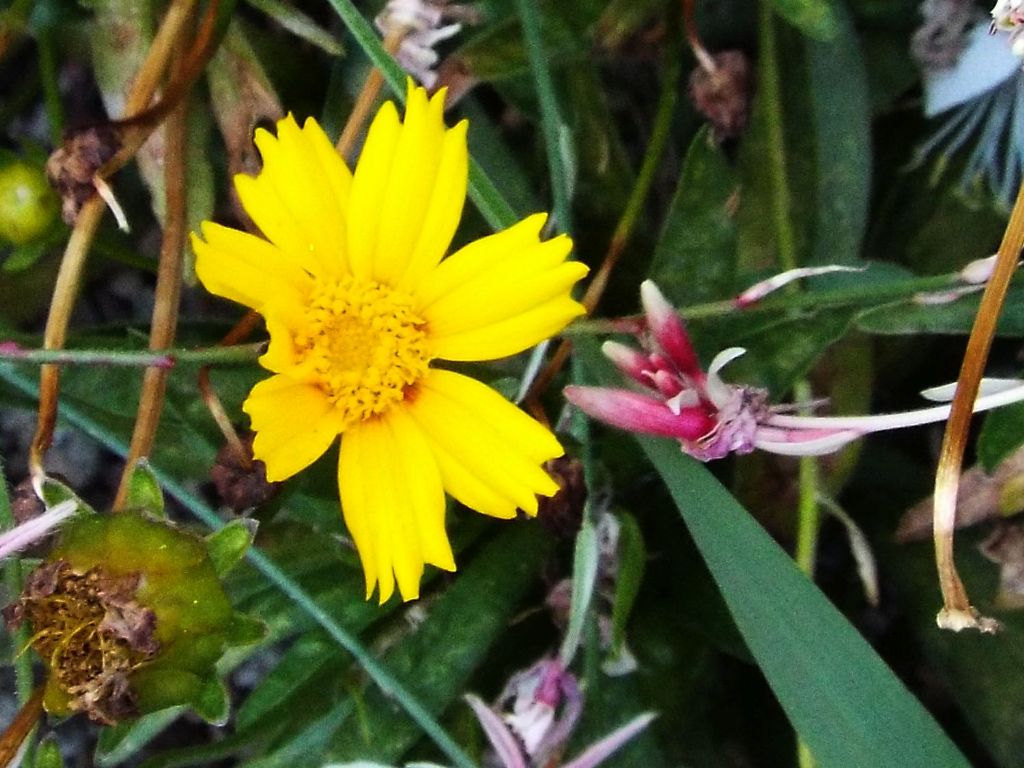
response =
{"points": [[363, 344]]}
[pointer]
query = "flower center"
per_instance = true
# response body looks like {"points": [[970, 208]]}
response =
{"points": [[364, 345], [92, 634]]}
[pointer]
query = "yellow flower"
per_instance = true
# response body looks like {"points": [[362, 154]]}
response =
{"points": [[358, 303]]}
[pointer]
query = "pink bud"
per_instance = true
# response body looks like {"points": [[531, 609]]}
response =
{"points": [[639, 413], [669, 332]]}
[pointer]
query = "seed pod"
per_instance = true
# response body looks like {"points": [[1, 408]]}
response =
{"points": [[129, 615]]}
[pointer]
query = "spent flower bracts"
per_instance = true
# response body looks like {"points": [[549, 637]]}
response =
{"points": [[359, 301], [711, 418]]}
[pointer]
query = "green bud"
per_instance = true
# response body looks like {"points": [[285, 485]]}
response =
{"points": [[129, 614], [28, 206]]}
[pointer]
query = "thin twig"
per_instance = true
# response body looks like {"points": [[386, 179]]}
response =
{"points": [[14, 737], [164, 323], [366, 99], [70, 273], [242, 329], [957, 612]]}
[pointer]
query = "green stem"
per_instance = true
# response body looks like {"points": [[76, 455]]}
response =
{"points": [[386, 681], [869, 295], [660, 131], [482, 191], [771, 93], [13, 583], [808, 517], [551, 122], [239, 354], [51, 89]]}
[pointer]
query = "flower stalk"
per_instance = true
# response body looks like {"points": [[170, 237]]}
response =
{"points": [[164, 322], [957, 612]]}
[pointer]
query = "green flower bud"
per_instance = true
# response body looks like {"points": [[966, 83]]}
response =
{"points": [[129, 614], [28, 205]]}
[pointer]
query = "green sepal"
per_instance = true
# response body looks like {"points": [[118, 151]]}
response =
{"points": [[24, 256], [632, 556], [48, 754], [244, 630], [144, 492], [229, 545], [55, 492], [213, 703]]}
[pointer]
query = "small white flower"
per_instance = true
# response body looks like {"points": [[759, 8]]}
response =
{"points": [[420, 23]]}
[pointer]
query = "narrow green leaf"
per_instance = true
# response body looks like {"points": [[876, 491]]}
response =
{"points": [[695, 258], [815, 18], [844, 702], [584, 578], [842, 137], [121, 742], [439, 656], [632, 557]]}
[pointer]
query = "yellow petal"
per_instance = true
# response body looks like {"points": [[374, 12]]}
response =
{"points": [[488, 450], [369, 185], [484, 303], [444, 210], [417, 156], [469, 262], [293, 201], [356, 475], [509, 336], [393, 503], [294, 423], [245, 268]]}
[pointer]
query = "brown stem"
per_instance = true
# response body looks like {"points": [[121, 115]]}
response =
{"points": [[242, 329], [54, 335], [168, 289], [86, 224], [957, 612], [365, 101], [21, 726]]}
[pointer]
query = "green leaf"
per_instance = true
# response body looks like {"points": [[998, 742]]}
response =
{"points": [[213, 703], [695, 258], [953, 317], [55, 492], [48, 754], [439, 656], [842, 135], [244, 630], [229, 545], [121, 742], [815, 18], [845, 703], [632, 556], [1001, 435], [144, 492], [584, 578]]}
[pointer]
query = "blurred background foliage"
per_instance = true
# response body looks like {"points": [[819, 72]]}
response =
{"points": [[733, 646]]}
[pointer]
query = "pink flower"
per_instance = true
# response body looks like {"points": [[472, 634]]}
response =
{"points": [[712, 419], [535, 716]]}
